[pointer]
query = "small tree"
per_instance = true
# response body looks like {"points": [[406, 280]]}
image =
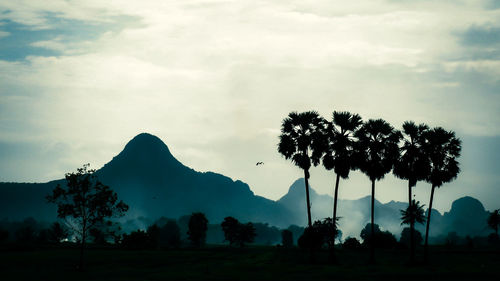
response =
{"points": [[494, 221], [236, 232], [287, 238], [230, 226], [406, 237], [197, 229], [246, 234], [170, 234], [84, 203], [57, 233]]}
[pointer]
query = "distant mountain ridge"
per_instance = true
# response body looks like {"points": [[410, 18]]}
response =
{"points": [[154, 183]]}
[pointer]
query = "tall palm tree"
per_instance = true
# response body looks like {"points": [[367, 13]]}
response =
{"points": [[301, 135], [443, 149], [376, 152], [494, 221], [412, 165], [339, 149]]}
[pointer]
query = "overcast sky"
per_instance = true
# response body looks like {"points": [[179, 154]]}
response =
{"points": [[214, 79]]}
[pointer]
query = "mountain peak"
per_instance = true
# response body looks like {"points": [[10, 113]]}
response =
{"points": [[145, 153], [146, 141]]}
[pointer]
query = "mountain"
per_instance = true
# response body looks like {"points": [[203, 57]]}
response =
{"points": [[154, 183]]}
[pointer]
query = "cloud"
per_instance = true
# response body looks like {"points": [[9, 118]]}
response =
{"points": [[486, 36]]}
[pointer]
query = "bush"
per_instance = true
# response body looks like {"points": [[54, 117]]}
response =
{"points": [[406, 237], [382, 239], [136, 240], [351, 243]]}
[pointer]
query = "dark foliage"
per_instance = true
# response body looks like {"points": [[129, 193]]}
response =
{"points": [[57, 233], [380, 239], [85, 202], [170, 235], [287, 238], [301, 140], [494, 220], [4, 235], [405, 237], [319, 235], [197, 229], [137, 240], [351, 243], [237, 233]]}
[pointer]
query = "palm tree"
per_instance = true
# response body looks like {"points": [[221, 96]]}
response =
{"points": [[301, 135], [376, 152], [339, 150], [413, 214], [443, 149], [494, 221], [412, 165]]}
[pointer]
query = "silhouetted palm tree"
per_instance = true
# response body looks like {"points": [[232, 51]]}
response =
{"points": [[376, 152], [301, 134], [412, 165], [413, 214], [494, 221], [339, 150], [443, 149]]}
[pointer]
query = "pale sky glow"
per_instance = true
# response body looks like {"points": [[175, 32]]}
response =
{"points": [[214, 79]]}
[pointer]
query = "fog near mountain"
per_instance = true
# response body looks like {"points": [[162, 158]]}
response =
{"points": [[355, 214], [155, 184]]}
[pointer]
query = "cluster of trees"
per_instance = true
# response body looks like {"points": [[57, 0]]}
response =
{"points": [[29, 233], [346, 143]]}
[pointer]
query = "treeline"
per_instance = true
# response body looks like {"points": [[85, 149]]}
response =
{"points": [[165, 233]]}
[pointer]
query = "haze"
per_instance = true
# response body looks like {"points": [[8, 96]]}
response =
{"points": [[214, 79]]}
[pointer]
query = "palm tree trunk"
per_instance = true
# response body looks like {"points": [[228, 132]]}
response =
{"points": [[412, 228], [372, 235], [426, 245], [308, 202], [334, 221]]}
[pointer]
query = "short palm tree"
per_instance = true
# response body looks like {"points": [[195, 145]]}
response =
{"points": [[301, 135], [376, 151], [339, 149], [443, 149], [494, 221], [413, 214], [412, 165]]}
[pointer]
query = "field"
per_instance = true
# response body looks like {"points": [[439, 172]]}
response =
{"points": [[254, 263]]}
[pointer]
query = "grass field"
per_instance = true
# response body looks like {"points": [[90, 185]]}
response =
{"points": [[255, 263]]}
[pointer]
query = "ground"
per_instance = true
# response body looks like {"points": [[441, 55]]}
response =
{"points": [[253, 263]]}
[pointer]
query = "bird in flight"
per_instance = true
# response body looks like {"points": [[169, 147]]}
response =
{"points": [[259, 163]]}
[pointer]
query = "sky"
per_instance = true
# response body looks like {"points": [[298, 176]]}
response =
{"points": [[214, 80]]}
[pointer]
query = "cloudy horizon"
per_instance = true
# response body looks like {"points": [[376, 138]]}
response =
{"points": [[214, 79]]}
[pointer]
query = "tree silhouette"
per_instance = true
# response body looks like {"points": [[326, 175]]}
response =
{"points": [[414, 213], [339, 151], [170, 234], [376, 152], [230, 226], [301, 135], [85, 202], [236, 232], [443, 149], [412, 165], [494, 221], [406, 237], [197, 229], [57, 232], [287, 238]]}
